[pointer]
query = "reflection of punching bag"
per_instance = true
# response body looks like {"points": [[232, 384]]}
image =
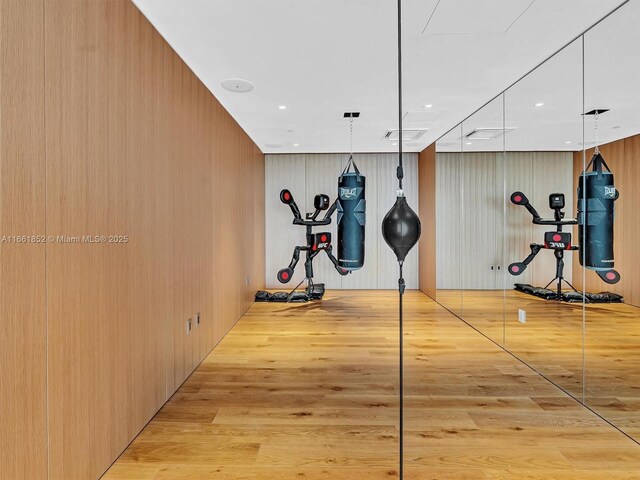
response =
{"points": [[351, 218], [595, 217]]}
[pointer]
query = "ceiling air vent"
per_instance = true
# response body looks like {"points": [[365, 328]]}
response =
{"points": [[408, 134], [597, 111], [487, 133]]}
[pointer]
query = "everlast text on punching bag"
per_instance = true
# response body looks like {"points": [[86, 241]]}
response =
{"points": [[351, 218], [596, 197]]}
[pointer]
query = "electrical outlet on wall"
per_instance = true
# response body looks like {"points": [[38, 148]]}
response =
{"points": [[522, 316], [188, 326], [198, 319]]}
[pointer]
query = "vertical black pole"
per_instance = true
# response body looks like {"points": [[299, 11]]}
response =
{"points": [[400, 171], [401, 293], [400, 175]]}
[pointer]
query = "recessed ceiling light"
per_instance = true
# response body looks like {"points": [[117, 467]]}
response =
{"points": [[394, 143], [568, 142], [237, 85], [296, 144], [428, 105], [282, 107], [468, 143], [539, 104]]}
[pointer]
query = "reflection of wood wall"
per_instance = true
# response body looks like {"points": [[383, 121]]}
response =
{"points": [[474, 237], [623, 157], [106, 131], [427, 209]]}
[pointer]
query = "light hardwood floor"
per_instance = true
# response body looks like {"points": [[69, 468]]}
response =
{"points": [[552, 342], [310, 392]]}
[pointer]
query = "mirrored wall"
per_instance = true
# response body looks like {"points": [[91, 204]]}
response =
{"points": [[514, 180]]}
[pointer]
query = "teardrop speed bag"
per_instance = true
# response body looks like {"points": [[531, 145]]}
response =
{"points": [[596, 197], [351, 218]]}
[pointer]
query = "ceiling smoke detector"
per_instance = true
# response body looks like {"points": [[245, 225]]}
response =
{"points": [[237, 85], [408, 134]]}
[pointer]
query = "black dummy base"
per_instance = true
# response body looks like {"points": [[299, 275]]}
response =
{"points": [[568, 296], [312, 292]]}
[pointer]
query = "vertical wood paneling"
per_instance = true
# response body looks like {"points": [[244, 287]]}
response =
{"points": [[23, 442], [427, 196], [136, 146], [311, 174], [622, 157], [283, 171], [482, 205], [518, 229], [489, 236], [448, 220]]}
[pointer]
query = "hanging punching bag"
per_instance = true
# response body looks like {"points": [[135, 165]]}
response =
{"points": [[351, 218], [596, 197]]}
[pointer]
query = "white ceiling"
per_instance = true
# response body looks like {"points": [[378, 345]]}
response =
{"points": [[611, 81], [321, 58]]}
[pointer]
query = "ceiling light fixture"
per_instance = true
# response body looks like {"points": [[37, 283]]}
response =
{"points": [[282, 107], [568, 142], [539, 104], [296, 144], [428, 105]]}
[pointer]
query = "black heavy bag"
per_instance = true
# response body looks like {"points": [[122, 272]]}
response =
{"points": [[596, 197], [351, 218]]}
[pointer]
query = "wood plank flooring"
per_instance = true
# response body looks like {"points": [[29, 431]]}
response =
{"points": [[311, 392], [552, 342]]}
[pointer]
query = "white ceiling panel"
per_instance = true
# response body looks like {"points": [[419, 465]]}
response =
{"points": [[465, 17], [320, 58]]}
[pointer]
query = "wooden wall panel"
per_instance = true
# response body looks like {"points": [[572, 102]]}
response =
{"points": [[449, 223], [135, 146], [309, 174], [518, 228], [427, 197], [482, 207], [489, 231], [23, 441], [284, 171], [622, 157]]}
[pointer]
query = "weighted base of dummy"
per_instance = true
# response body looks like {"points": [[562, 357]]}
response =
{"points": [[314, 291], [569, 297]]}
